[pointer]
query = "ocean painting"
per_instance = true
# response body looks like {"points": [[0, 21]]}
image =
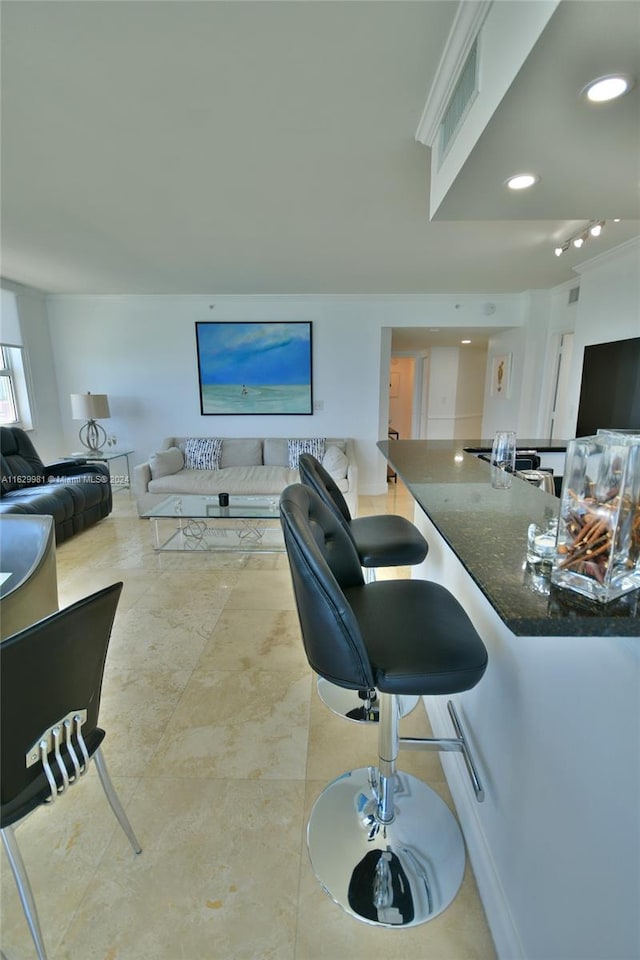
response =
{"points": [[254, 368]]}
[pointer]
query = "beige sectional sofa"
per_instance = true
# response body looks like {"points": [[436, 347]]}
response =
{"points": [[246, 465]]}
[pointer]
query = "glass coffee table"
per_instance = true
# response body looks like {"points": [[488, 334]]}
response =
{"points": [[249, 523]]}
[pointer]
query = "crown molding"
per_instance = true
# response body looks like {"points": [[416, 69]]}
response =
{"points": [[629, 246], [466, 26], [22, 289]]}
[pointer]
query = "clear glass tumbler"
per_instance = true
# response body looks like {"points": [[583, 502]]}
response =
{"points": [[503, 459]]}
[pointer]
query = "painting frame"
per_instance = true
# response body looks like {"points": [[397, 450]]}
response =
{"points": [[501, 375], [255, 367]]}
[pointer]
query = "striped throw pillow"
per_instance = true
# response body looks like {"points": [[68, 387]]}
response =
{"points": [[202, 453], [314, 446]]}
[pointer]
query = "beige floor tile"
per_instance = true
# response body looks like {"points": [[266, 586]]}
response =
{"points": [[250, 724], [61, 846], [267, 561], [72, 588], [254, 639], [213, 723], [145, 639], [136, 708], [217, 878], [262, 590]]}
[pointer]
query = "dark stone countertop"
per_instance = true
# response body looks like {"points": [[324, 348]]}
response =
{"points": [[487, 530]]}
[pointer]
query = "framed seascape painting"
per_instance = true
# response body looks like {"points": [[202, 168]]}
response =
{"points": [[254, 368]]}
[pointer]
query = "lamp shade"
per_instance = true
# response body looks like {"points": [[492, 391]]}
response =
{"points": [[90, 406]]}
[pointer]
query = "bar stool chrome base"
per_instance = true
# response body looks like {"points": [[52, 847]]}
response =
{"points": [[397, 874], [350, 705]]}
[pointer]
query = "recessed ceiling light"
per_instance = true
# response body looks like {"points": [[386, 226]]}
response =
{"points": [[521, 181], [465, 341], [608, 88]]}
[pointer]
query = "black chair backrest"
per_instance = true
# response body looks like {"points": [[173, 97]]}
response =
{"points": [[19, 460], [314, 475], [323, 562], [48, 670]]}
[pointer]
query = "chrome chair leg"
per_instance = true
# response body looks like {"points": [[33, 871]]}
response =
{"points": [[354, 705], [24, 889], [114, 800], [382, 843]]}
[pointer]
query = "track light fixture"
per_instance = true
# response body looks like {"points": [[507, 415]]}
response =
{"points": [[593, 229]]}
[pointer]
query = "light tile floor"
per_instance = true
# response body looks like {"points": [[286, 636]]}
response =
{"points": [[218, 745]]}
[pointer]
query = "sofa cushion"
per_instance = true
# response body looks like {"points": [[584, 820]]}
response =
{"points": [[312, 445], [241, 452], [166, 462], [255, 479], [335, 462], [275, 452], [202, 453]]}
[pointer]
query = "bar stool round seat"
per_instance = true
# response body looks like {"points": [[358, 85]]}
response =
{"points": [[383, 540], [383, 845]]}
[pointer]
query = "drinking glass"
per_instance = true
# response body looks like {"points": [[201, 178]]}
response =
{"points": [[503, 459]]}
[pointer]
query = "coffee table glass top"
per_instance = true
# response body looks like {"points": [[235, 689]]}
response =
{"points": [[207, 507]]}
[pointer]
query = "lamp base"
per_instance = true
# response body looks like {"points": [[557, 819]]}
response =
{"points": [[93, 436]]}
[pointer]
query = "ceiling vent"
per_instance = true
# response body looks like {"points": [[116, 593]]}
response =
{"points": [[462, 97], [574, 293]]}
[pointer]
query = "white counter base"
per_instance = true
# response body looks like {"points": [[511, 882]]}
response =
{"points": [[555, 727]]}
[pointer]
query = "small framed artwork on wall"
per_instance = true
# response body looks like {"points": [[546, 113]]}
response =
{"points": [[500, 375], [254, 368]]}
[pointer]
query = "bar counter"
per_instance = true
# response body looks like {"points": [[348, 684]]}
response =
{"points": [[487, 530], [554, 722]]}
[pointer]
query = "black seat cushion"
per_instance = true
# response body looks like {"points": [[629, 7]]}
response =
{"points": [[402, 636], [387, 540], [383, 540], [418, 637]]}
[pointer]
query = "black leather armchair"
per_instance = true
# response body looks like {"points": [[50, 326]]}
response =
{"points": [[76, 493]]}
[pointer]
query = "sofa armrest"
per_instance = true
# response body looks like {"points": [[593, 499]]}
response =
{"points": [[141, 479], [60, 466], [58, 472]]}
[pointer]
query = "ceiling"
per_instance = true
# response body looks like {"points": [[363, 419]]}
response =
{"points": [[269, 147], [416, 339]]}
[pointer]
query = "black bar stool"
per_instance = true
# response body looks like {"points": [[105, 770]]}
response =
{"points": [[384, 846], [383, 540]]}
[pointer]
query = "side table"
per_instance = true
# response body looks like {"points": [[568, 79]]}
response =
{"points": [[123, 480]]}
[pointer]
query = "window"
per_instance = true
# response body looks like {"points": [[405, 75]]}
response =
{"points": [[14, 398]]}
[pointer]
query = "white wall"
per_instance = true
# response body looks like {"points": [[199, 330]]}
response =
{"points": [[472, 365], [140, 350], [608, 309], [443, 382]]}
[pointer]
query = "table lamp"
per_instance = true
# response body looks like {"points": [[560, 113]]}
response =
{"points": [[91, 407]]}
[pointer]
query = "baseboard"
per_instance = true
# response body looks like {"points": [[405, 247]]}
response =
{"points": [[494, 900]]}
